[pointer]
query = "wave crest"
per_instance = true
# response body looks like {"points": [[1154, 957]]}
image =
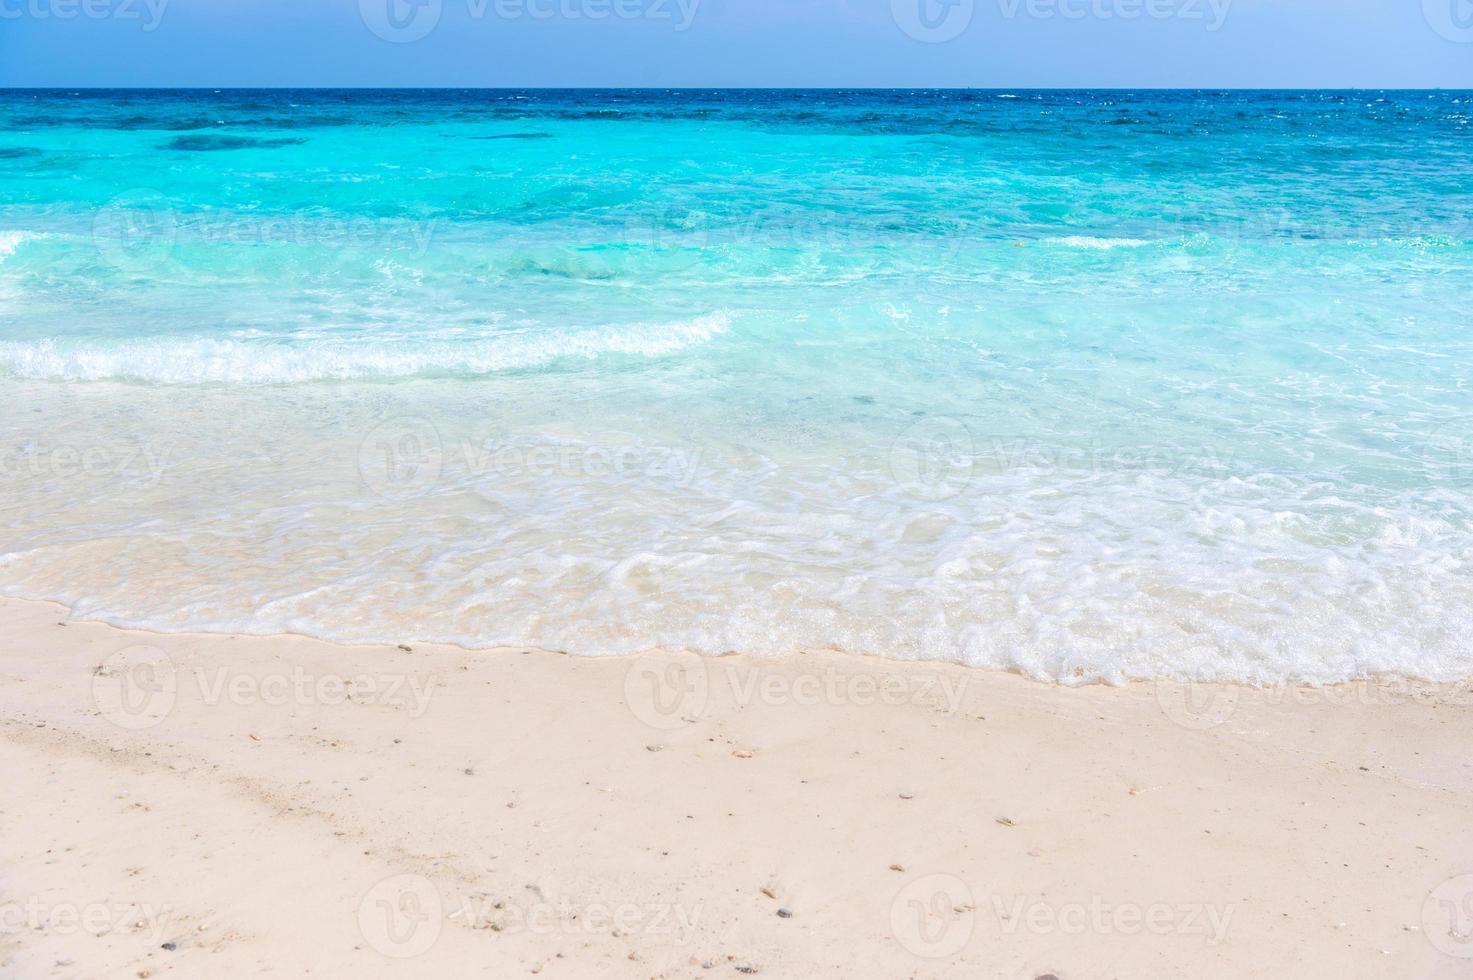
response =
{"points": [[200, 360], [1101, 244], [10, 241]]}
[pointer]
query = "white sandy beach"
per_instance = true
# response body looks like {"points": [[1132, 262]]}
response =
{"points": [[191, 805]]}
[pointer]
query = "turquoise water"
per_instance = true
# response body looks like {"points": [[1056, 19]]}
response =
{"points": [[1087, 385]]}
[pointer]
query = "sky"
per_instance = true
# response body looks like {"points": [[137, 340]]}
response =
{"points": [[709, 43]]}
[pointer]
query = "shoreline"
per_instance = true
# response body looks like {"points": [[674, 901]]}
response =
{"points": [[508, 812]]}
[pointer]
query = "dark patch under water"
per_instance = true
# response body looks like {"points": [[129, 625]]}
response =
{"points": [[516, 136], [16, 152], [204, 143]]}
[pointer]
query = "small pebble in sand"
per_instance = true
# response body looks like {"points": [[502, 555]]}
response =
{"points": [[169, 946], [897, 867], [470, 772], [1004, 821], [907, 796], [654, 748], [784, 914], [769, 891], [742, 754], [406, 648]]}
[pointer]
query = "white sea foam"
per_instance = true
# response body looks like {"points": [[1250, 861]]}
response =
{"points": [[203, 360], [1101, 244], [555, 516], [9, 242]]}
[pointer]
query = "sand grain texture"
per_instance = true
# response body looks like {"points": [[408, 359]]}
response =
{"points": [[821, 815]]}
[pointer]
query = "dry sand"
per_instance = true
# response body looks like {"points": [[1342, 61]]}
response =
{"points": [[220, 806]]}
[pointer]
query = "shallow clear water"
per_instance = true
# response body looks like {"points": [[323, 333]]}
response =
{"points": [[1090, 385]]}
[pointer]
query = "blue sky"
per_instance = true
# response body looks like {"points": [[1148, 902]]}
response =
{"points": [[1004, 43]]}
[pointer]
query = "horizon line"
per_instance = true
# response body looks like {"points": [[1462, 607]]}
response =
{"points": [[728, 88]]}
